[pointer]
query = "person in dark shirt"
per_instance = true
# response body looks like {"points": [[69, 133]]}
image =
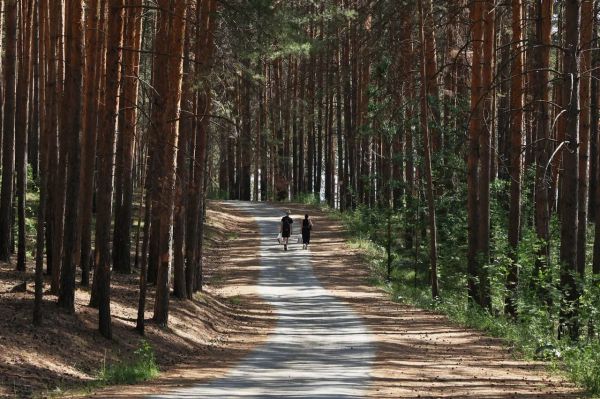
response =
{"points": [[306, 228], [286, 229]]}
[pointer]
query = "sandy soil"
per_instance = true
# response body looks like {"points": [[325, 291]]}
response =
{"points": [[421, 354], [205, 336]]}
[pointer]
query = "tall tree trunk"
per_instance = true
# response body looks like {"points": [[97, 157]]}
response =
{"points": [[140, 322], [432, 71], [473, 264], [569, 323], [8, 128], [95, 21], [33, 132], [485, 146], [302, 132], [320, 122], [169, 64], [105, 156], [596, 171], [348, 184], [72, 102], [182, 178], [341, 176], [543, 172], [585, 39], [52, 97], [204, 54], [124, 164], [42, 23], [245, 140], [594, 122], [310, 130], [21, 128], [516, 134], [60, 154], [425, 80], [2, 76]]}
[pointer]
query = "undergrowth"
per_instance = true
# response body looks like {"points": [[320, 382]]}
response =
{"points": [[532, 335], [142, 367]]}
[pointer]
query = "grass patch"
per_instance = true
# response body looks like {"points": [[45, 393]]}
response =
{"points": [[235, 300], [217, 280], [142, 367], [200, 297], [232, 235], [308, 199]]}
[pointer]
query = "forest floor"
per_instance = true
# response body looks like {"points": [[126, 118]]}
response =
{"points": [[65, 355], [418, 354]]}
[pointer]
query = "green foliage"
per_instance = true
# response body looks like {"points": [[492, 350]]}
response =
{"points": [[31, 209], [142, 367], [307, 199], [582, 363], [231, 236], [533, 333], [235, 300], [264, 29], [217, 194]]}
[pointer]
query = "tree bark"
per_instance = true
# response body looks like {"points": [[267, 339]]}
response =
{"points": [[516, 139], [8, 128], [60, 151], [42, 24], [72, 100], [95, 21], [124, 164], [105, 159], [204, 55], [473, 264], [21, 127], [141, 319], [543, 172], [169, 64], [585, 39], [485, 147], [431, 68], [569, 324], [425, 80]]}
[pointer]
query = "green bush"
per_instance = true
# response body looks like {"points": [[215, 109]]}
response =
{"points": [[583, 365], [142, 367], [307, 199]]}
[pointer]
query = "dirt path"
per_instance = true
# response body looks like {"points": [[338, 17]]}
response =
{"points": [[319, 349]]}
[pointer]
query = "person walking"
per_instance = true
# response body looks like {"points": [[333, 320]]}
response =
{"points": [[306, 228], [286, 229]]}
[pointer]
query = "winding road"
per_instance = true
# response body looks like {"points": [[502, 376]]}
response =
{"points": [[319, 349]]}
